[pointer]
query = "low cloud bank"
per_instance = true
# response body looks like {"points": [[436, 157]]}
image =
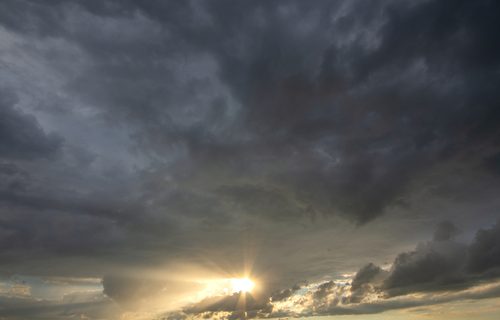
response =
{"points": [[437, 271]]}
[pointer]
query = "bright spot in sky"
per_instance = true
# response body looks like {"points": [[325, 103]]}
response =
{"points": [[241, 285], [225, 286]]}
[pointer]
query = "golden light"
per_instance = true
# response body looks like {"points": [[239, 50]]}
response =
{"points": [[242, 285]]}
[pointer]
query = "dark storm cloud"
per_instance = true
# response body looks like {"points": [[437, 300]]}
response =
{"points": [[133, 130], [431, 266], [365, 281], [484, 252], [342, 102], [365, 275], [333, 115], [21, 137], [445, 230], [437, 265]]}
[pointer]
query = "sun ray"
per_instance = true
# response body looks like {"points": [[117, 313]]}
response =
{"points": [[242, 285]]}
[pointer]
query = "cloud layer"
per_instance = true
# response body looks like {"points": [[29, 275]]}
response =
{"points": [[435, 272], [294, 139]]}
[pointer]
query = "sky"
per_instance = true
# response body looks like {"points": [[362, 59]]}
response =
{"points": [[231, 159]]}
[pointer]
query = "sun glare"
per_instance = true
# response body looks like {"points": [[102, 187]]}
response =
{"points": [[242, 285]]}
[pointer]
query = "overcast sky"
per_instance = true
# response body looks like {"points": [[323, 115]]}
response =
{"points": [[344, 155]]}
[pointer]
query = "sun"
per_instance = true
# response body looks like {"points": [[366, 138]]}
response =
{"points": [[243, 285]]}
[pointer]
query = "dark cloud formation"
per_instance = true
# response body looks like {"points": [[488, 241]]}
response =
{"points": [[366, 280], [138, 132], [432, 264], [365, 275], [348, 113], [484, 252], [445, 230], [21, 137], [433, 268], [438, 265], [285, 293]]}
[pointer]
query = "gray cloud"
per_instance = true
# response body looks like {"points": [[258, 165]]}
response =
{"points": [[437, 265], [283, 294], [445, 230], [131, 291], [21, 137], [366, 280], [432, 264], [237, 302], [134, 133], [483, 252], [433, 268], [328, 110]]}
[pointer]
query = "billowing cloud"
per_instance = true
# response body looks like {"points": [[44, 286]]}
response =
{"points": [[435, 272], [21, 137], [437, 265], [294, 140]]}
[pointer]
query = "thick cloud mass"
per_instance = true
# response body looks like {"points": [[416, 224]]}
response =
{"points": [[484, 251], [446, 230], [434, 263], [365, 275], [20, 135], [140, 134], [437, 270], [438, 265]]}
